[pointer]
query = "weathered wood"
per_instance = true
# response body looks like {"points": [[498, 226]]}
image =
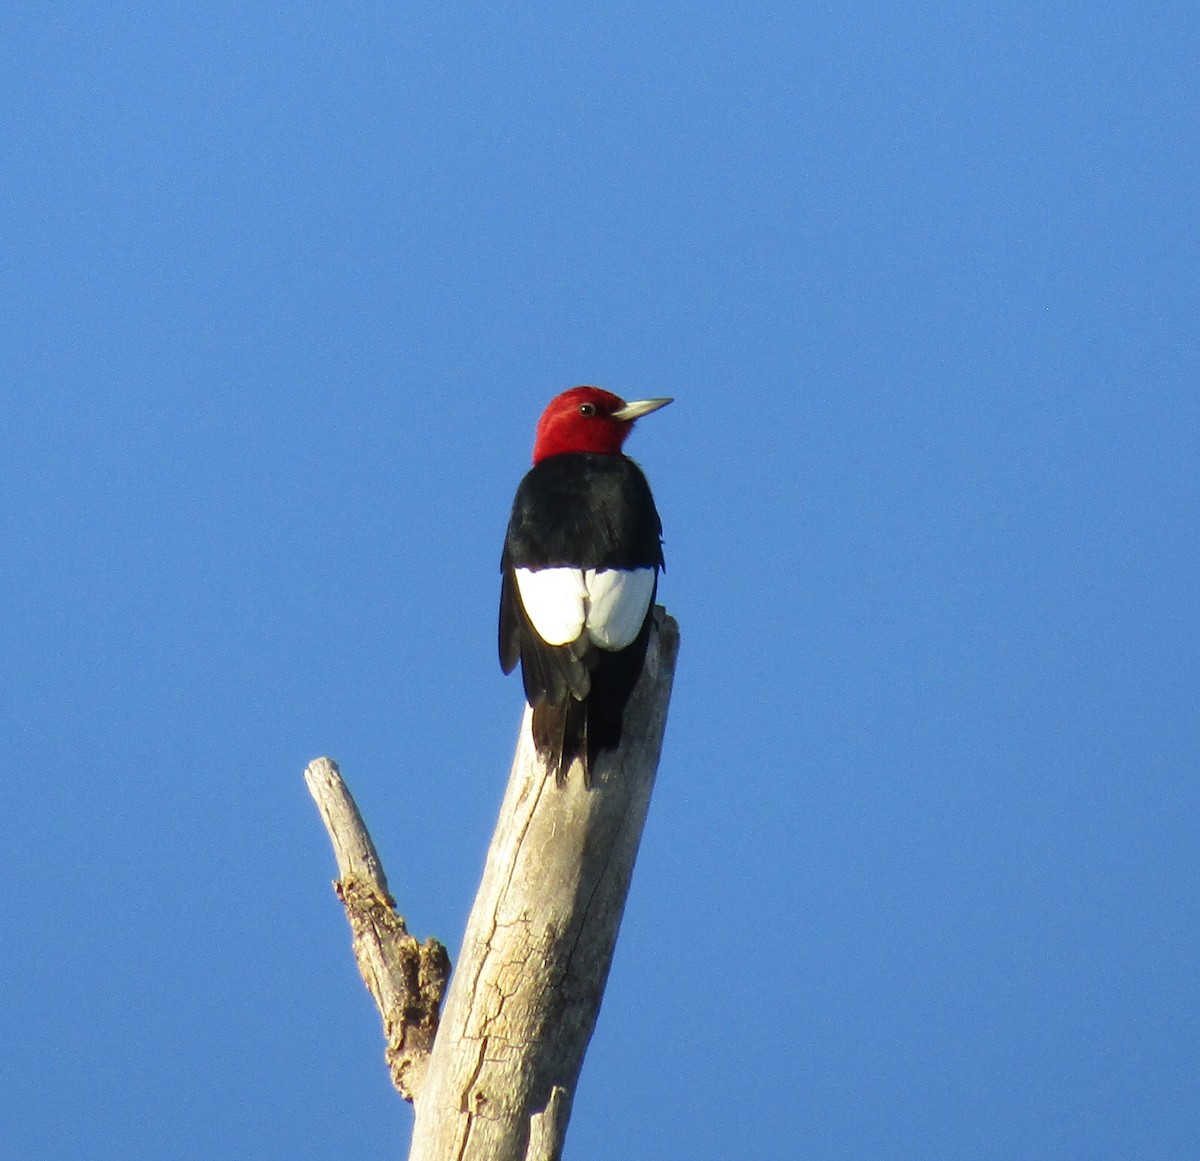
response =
{"points": [[525, 996], [548, 1129], [405, 978]]}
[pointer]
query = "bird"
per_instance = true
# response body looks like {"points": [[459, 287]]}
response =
{"points": [[579, 574]]}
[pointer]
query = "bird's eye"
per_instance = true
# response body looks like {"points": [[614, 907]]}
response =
{"points": [[587, 409]]}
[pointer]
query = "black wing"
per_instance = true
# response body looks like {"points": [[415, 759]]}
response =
{"points": [[581, 511]]}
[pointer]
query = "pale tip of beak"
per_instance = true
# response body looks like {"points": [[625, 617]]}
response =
{"points": [[638, 408]]}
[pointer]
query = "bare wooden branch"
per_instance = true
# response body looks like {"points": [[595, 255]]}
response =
{"points": [[496, 1082], [405, 978], [539, 942], [548, 1129]]}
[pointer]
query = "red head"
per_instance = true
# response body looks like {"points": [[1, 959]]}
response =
{"points": [[586, 419]]}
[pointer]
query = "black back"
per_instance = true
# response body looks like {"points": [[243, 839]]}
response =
{"points": [[579, 510]]}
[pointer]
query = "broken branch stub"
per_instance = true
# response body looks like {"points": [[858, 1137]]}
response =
{"points": [[406, 979]]}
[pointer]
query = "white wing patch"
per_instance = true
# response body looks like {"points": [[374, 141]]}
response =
{"points": [[611, 603], [555, 601], [618, 600]]}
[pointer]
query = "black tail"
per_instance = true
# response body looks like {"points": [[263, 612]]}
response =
{"points": [[560, 734], [585, 728]]}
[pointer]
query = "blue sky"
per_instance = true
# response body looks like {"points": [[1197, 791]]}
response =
{"points": [[284, 291]]}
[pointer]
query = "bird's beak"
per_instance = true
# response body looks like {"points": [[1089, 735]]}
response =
{"points": [[638, 408]]}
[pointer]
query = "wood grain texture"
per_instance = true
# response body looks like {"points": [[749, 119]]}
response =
{"points": [[407, 979], [525, 996]]}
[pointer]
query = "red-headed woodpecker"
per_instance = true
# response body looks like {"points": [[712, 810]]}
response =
{"points": [[580, 571]]}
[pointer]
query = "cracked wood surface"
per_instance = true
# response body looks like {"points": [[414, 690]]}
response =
{"points": [[539, 942], [405, 978]]}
